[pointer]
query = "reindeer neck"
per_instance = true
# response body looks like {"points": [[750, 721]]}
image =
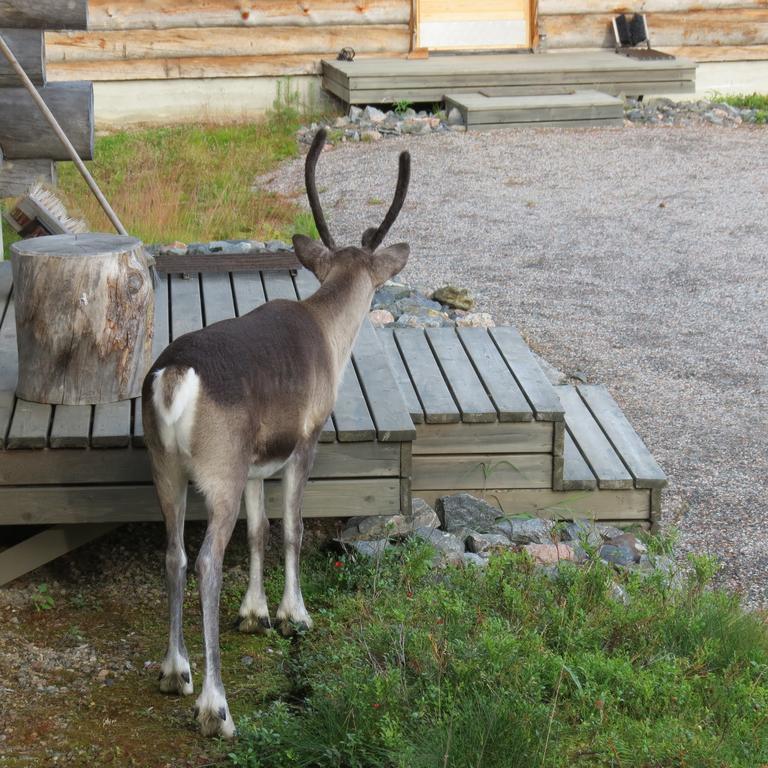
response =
{"points": [[341, 304]]}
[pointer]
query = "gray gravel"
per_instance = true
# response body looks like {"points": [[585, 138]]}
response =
{"points": [[636, 256]]}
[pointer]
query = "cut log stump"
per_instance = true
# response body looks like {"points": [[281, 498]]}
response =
{"points": [[84, 313]]}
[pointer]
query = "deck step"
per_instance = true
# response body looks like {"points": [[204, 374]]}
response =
{"points": [[578, 109]]}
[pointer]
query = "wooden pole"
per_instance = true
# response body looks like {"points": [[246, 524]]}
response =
{"points": [[84, 172]]}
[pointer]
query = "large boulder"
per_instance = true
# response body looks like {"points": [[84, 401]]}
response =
{"points": [[464, 512]]}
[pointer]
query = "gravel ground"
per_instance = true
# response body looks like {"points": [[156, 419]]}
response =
{"points": [[636, 256]]}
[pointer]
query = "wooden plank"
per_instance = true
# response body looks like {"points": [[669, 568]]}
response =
{"points": [[605, 505], [160, 14], [466, 387], [555, 7], [704, 53], [218, 301], [594, 445], [249, 291], [71, 426], [8, 353], [386, 404], [24, 132], [47, 545], [499, 437], [434, 395], [587, 123], [29, 49], [22, 505], [226, 262], [404, 383], [576, 473], [44, 14], [531, 379], [111, 425], [185, 308], [350, 414], [29, 425], [454, 473], [109, 45], [625, 441], [17, 176], [501, 385]]}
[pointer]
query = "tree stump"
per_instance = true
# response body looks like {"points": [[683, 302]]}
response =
{"points": [[84, 315]]}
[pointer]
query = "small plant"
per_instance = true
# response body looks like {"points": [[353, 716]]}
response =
{"points": [[756, 101], [42, 598], [402, 106]]}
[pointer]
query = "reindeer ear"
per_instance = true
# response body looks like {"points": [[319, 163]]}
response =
{"points": [[389, 261], [313, 255]]}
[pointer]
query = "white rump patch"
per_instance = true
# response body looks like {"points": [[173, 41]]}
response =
{"points": [[175, 423]]}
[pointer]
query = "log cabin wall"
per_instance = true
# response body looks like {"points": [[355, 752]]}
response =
{"points": [[160, 60]]}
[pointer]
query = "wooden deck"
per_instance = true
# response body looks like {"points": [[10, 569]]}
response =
{"points": [[385, 81], [419, 412]]}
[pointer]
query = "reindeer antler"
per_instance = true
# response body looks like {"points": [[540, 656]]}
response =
{"points": [[309, 181], [373, 238]]}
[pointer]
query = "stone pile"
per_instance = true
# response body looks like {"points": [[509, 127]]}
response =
{"points": [[465, 530], [663, 111]]}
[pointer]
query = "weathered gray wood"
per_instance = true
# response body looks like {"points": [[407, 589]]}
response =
{"points": [[29, 425], [278, 285], [594, 445], [21, 505], [612, 122], [576, 473], [306, 283], [350, 414], [24, 132], [392, 352], [218, 302], [92, 295], [534, 384], [496, 376], [467, 389], [186, 310], [17, 176], [498, 437], [226, 262], [28, 46], [112, 425], [454, 473], [249, 291], [434, 395], [71, 427], [8, 354], [44, 14], [386, 404], [47, 545], [625, 441]]}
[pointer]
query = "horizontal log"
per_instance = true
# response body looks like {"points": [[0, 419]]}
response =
{"points": [[169, 14], [44, 14], [182, 43], [719, 52], [17, 176], [24, 133], [226, 262], [727, 27], [578, 7], [193, 67], [28, 46]]}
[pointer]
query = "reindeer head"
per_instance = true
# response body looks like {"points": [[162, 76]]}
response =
{"points": [[325, 259]]}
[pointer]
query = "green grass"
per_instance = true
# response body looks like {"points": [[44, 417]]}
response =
{"points": [[193, 182], [412, 668], [758, 101]]}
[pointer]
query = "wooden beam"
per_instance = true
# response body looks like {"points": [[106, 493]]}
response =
{"points": [[718, 52], [44, 14], [17, 176], [28, 46], [24, 132], [255, 41], [226, 262], [614, 7], [174, 14]]}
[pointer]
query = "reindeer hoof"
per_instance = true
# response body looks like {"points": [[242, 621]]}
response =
{"points": [[176, 682], [214, 719], [290, 628], [254, 625]]}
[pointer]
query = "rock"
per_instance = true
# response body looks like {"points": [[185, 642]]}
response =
{"points": [[609, 531], [711, 117], [476, 320], [550, 554], [462, 511], [246, 661], [340, 122], [418, 321], [389, 293], [370, 136], [373, 114], [381, 317], [454, 117], [422, 515], [486, 542], [103, 674], [618, 594], [470, 558], [380, 526], [526, 531], [458, 298], [352, 135], [369, 548], [217, 246], [415, 126], [277, 245], [443, 541], [582, 532], [617, 554], [412, 305], [176, 248], [355, 113]]}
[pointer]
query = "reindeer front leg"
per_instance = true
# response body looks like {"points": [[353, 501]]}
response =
{"points": [[292, 616]]}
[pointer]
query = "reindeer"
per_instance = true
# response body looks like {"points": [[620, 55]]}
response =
{"points": [[234, 403]]}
